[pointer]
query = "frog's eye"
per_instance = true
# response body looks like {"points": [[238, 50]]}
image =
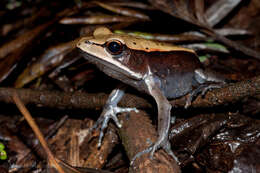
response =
{"points": [[114, 47]]}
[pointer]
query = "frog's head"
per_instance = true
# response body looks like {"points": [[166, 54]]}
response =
{"points": [[121, 53]]}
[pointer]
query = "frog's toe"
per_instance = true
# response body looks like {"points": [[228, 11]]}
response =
{"points": [[210, 87], [165, 145], [114, 110], [110, 112], [192, 95], [147, 150], [188, 102], [167, 148], [203, 89]]}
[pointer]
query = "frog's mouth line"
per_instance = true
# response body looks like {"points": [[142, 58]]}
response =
{"points": [[106, 64]]}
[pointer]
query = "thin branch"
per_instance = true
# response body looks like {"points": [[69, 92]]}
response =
{"points": [[219, 10], [66, 100], [226, 95], [80, 100], [36, 131]]}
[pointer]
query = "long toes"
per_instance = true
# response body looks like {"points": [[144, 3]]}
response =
{"points": [[188, 103], [152, 152], [103, 127], [120, 110], [100, 138], [210, 87], [205, 90], [132, 109], [94, 127], [110, 112], [136, 110], [167, 148], [118, 124], [99, 122], [147, 150]]}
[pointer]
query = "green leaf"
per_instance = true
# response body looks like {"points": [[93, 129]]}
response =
{"points": [[203, 57], [3, 155], [217, 46], [2, 146]]}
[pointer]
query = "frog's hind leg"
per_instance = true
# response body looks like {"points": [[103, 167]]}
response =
{"points": [[203, 89], [110, 111], [207, 80]]}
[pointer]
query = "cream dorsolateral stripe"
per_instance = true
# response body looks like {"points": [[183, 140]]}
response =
{"points": [[102, 35]]}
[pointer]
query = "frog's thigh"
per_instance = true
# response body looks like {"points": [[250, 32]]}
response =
{"points": [[200, 76]]}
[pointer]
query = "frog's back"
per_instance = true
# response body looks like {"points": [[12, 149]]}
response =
{"points": [[174, 71]]}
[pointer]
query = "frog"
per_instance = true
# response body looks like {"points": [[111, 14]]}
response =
{"points": [[161, 70]]}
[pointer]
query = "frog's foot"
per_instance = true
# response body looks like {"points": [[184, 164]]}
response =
{"points": [[165, 144], [109, 112], [210, 87], [203, 89]]}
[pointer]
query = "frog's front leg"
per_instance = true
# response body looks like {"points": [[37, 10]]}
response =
{"points": [[110, 111], [164, 120]]}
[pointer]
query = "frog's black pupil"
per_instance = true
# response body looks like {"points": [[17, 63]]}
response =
{"points": [[114, 47]]}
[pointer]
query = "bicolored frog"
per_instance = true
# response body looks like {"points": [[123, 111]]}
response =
{"points": [[161, 70]]}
